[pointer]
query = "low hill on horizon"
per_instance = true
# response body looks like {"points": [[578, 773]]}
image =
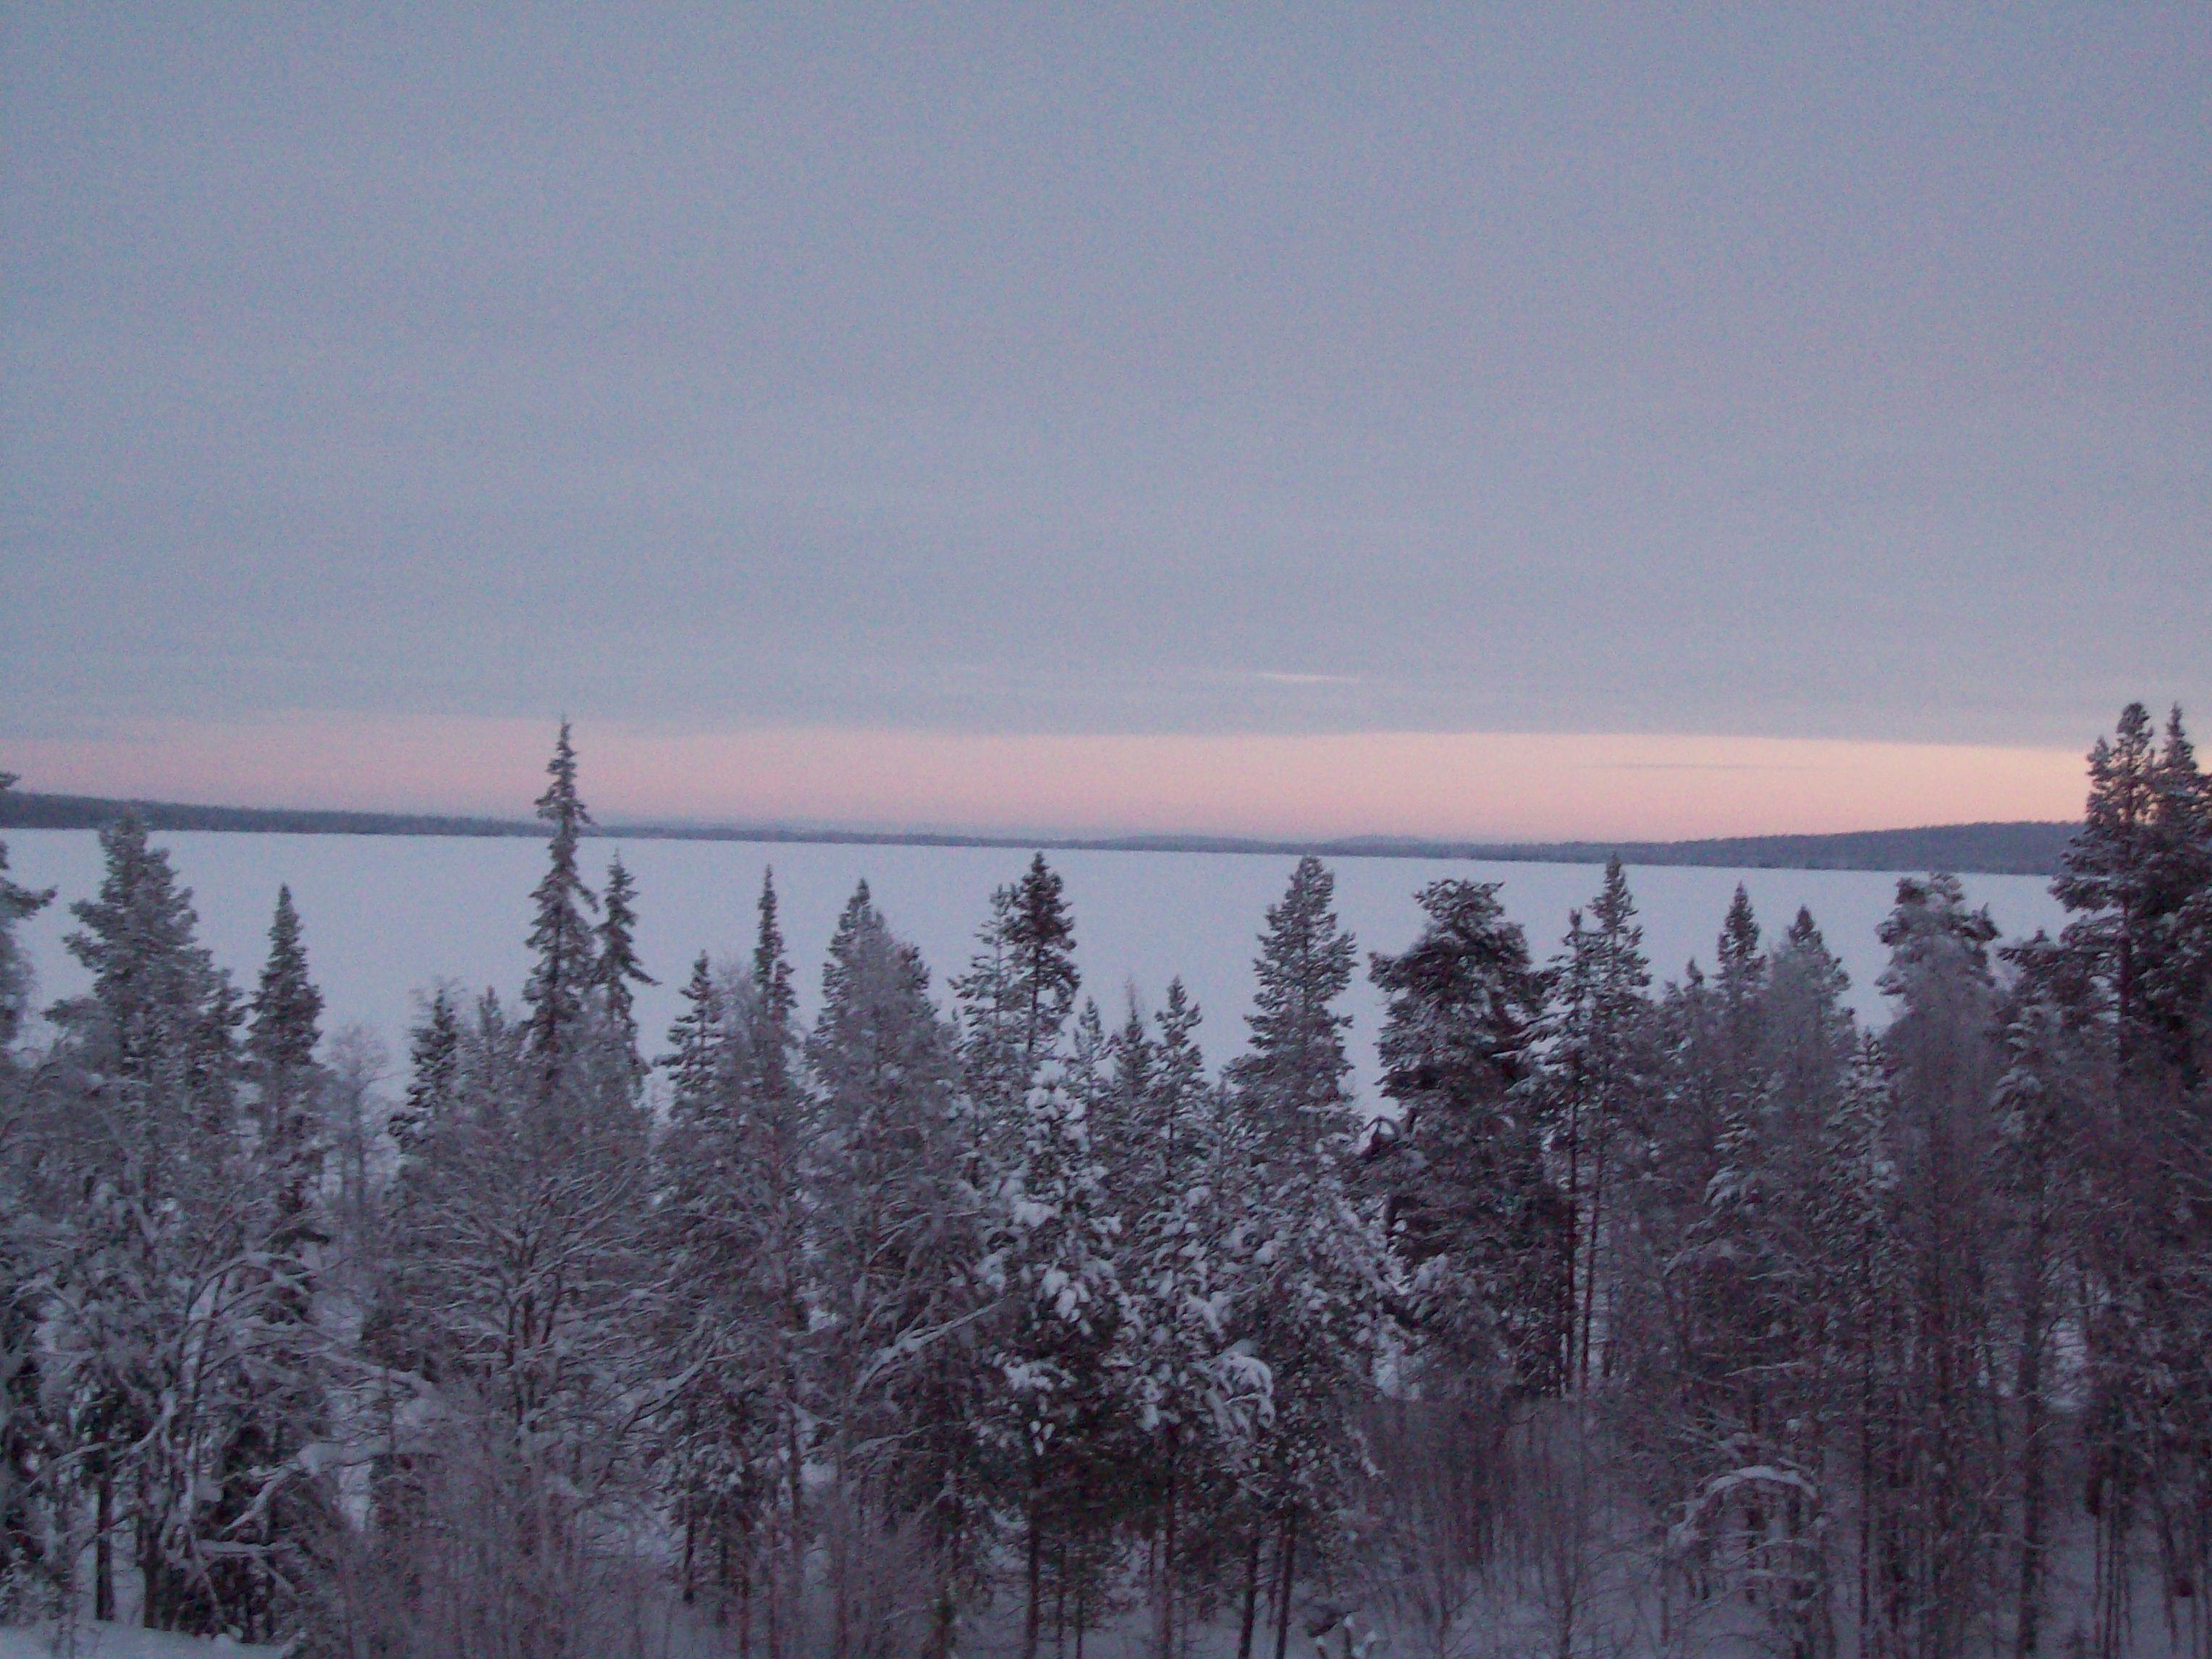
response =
{"points": [[2026, 848]]}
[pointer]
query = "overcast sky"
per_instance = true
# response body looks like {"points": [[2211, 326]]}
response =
{"points": [[1036, 372]]}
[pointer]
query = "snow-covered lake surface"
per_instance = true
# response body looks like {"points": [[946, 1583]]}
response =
{"points": [[385, 916]]}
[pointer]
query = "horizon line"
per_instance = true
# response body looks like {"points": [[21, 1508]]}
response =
{"points": [[2017, 846]]}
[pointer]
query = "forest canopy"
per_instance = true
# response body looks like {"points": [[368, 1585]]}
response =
{"points": [[1676, 1318]]}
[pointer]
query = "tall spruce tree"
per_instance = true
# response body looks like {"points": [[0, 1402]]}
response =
{"points": [[1308, 1303], [1293, 1076], [561, 937], [281, 1032], [616, 969], [162, 1291], [903, 1235]]}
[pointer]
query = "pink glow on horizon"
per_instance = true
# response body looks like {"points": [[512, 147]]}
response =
{"points": [[1478, 785]]}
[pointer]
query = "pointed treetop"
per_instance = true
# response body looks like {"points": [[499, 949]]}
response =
{"points": [[561, 938], [694, 1041], [1297, 1062], [1613, 910], [615, 965], [1739, 939], [433, 1070], [287, 1005], [561, 806], [771, 971]]}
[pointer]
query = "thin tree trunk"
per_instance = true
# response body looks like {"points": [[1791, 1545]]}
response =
{"points": [[1036, 1571], [2027, 1629], [1059, 1607], [1589, 1270], [772, 1582], [1164, 1582], [1289, 1580], [1251, 1596], [744, 1599], [103, 1550], [1574, 1241]]}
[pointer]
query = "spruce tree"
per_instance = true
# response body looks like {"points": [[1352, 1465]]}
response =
{"points": [[162, 1301], [560, 937], [1294, 1074], [1019, 991], [695, 1042], [433, 1071], [281, 1518], [1310, 1279], [616, 969], [280, 1045], [16, 904], [903, 1246]]}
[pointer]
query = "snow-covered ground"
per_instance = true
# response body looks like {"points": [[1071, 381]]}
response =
{"points": [[95, 1640], [385, 916]]}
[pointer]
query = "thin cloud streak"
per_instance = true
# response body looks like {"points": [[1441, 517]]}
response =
{"points": [[1478, 784]]}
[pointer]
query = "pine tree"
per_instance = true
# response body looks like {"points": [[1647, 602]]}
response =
{"points": [[276, 1519], [2046, 1102], [561, 938], [2138, 878], [1484, 1234], [1600, 1058], [1943, 1066]]}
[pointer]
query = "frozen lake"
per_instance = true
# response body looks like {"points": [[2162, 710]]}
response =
{"points": [[385, 916]]}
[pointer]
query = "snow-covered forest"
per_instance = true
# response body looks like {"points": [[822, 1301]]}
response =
{"points": [[987, 1316]]}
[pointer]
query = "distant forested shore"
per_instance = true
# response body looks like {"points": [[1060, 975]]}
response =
{"points": [[2021, 847]]}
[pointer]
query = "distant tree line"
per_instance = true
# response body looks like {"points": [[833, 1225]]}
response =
{"points": [[2025, 847], [1635, 1321]]}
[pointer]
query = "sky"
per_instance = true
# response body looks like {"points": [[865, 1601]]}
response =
{"points": [[1460, 420]]}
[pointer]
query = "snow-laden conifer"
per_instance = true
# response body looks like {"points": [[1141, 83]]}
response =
{"points": [[1307, 1257], [1485, 1236], [902, 1235], [561, 941], [616, 970]]}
